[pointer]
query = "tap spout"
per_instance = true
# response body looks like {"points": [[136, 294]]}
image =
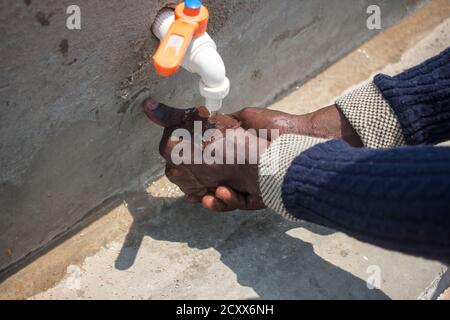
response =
{"points": [[202, 58]]}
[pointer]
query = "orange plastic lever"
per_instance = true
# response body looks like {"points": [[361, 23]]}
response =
{"points": [[173, 48], [188, 24]]}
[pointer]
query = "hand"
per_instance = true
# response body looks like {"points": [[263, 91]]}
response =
{"points": [[328, 122], [219, 187], [232, 186]]}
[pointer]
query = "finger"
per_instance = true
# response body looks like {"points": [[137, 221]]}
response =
{"points": [[186, 181], [212, 203], [257, 119], [239, 200], [168, 143], [230, 197], [161, 114], [253, 118]]}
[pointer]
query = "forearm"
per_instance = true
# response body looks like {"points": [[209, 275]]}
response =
{"points": [[329, 123]]}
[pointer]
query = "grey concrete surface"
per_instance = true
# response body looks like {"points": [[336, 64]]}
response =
{"points": [[72, 135], [177, 251], [156, 246], [174, 250]]}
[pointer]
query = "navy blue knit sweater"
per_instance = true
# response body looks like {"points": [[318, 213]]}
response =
{"points": [[397, 198], [420, 98]]}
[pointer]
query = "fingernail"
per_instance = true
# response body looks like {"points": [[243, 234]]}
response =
{"points": [[223, 192], [150, 105], [155, 111]]}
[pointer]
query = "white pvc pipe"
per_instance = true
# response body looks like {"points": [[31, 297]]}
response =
{"points": [[208, 64], [201, 58]]}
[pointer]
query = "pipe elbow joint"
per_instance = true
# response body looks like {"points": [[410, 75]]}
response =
{"points": [[204, 60], [208, 64], [201, 58]]}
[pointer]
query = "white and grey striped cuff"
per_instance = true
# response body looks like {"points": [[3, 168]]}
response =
{"points": [[274, 164], [372, 117]]}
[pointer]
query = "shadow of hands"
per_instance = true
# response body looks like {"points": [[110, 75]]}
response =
{"points": [[254, 245]]}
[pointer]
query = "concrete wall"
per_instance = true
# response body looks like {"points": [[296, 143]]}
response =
{"points": [[72, 134]]}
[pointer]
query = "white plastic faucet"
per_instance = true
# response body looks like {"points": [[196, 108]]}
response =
{"points": [[184, 42]]}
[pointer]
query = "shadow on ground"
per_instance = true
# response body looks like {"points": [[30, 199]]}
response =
{"points": [[253, 245]]}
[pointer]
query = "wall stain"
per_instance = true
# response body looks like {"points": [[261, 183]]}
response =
{"points": [[27, 2], [70, 62], [44, 19], [64, 47], [256, 75], [295, 32]]}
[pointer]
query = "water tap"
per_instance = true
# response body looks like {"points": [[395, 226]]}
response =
{"points": [[185, 42]]}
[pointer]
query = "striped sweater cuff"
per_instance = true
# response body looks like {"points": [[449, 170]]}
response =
{"points": [[372, 117], [274, 164]]}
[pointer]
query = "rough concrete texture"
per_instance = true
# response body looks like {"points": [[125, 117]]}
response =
{"points": [[154, 245], [72, 134]]}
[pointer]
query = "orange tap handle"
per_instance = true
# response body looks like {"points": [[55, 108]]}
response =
{"points": [[170, 54], [188, 24]]}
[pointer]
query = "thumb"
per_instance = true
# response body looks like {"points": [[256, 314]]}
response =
{"points": [[258, 118], [249, 117], [161, 114]]}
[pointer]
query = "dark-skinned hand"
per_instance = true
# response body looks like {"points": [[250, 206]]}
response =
{"points": [[226, 187]]}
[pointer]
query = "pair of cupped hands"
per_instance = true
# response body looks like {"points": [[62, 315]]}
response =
{"points": [[230, 185]]}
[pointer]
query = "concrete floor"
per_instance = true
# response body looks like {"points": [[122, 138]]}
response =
{"points": [[154, 245]]}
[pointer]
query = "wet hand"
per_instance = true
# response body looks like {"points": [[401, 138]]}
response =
{"points": [[225, 187], [222, 179]]}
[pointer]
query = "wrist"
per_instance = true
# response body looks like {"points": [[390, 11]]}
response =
{"points": [[329, 123]]}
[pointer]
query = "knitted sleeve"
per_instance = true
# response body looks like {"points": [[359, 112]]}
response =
{"points": [[394, 198], [372, 117], [411, 108], [420, 99]]}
